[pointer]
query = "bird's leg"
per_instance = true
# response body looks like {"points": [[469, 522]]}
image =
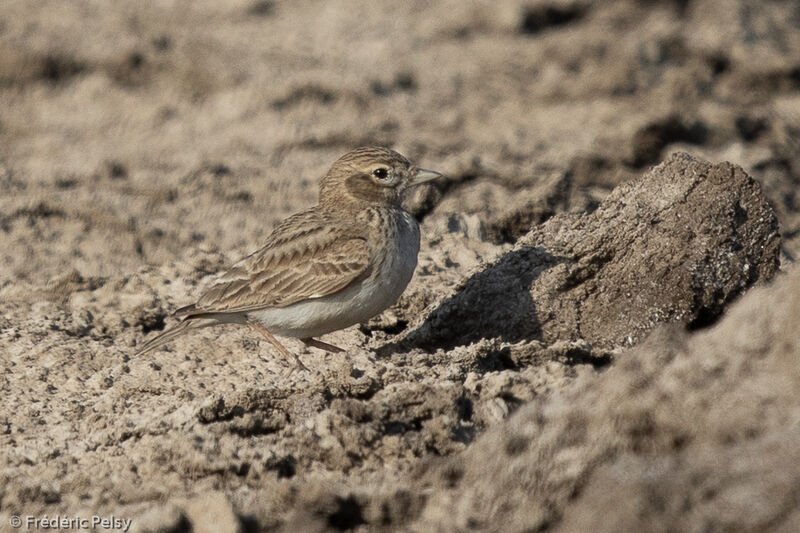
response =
{"points": [[322, 345], [281, 348]]}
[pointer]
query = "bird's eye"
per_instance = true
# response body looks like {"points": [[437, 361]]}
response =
{"points": [[380, 173]]}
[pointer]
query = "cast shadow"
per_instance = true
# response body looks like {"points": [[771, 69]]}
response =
{"points": [[494, 303]]}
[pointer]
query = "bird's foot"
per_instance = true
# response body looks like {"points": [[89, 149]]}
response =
{"points": [[298, 366], [280, 347], [322, 345]]}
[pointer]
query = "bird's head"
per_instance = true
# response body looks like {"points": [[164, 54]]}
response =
{"points": [[371, 175]]}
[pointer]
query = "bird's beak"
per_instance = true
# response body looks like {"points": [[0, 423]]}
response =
{"points": [[422, 175]]}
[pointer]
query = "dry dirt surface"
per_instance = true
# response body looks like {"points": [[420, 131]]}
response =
{"points": [[602, 330]]}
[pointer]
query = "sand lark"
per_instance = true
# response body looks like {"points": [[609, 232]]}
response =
{"points": [[337, 264]]}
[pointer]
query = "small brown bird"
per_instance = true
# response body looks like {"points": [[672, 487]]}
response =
{"points": [[337, 264]]}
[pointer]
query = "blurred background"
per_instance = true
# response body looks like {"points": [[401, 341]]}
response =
{"points": [[134, 132]]}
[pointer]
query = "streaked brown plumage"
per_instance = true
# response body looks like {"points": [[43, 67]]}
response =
{"points": [[334, 265]]}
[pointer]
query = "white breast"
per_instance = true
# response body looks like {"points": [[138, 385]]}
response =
{"points": [[359, 301]]}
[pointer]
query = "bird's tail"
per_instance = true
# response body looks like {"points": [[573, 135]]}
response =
{"points": [[167, 336], [196, 321]]}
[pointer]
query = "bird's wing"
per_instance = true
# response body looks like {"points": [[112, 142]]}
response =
{"points": [[305, 257]]}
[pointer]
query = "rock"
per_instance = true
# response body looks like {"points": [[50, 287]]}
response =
{"points": [[672, 437], [678, 244]]}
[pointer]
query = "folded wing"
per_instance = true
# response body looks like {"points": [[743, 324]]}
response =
{"points": [[305, 258]]}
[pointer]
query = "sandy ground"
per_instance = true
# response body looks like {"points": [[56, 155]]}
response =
{"points": [[576, 343]]}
